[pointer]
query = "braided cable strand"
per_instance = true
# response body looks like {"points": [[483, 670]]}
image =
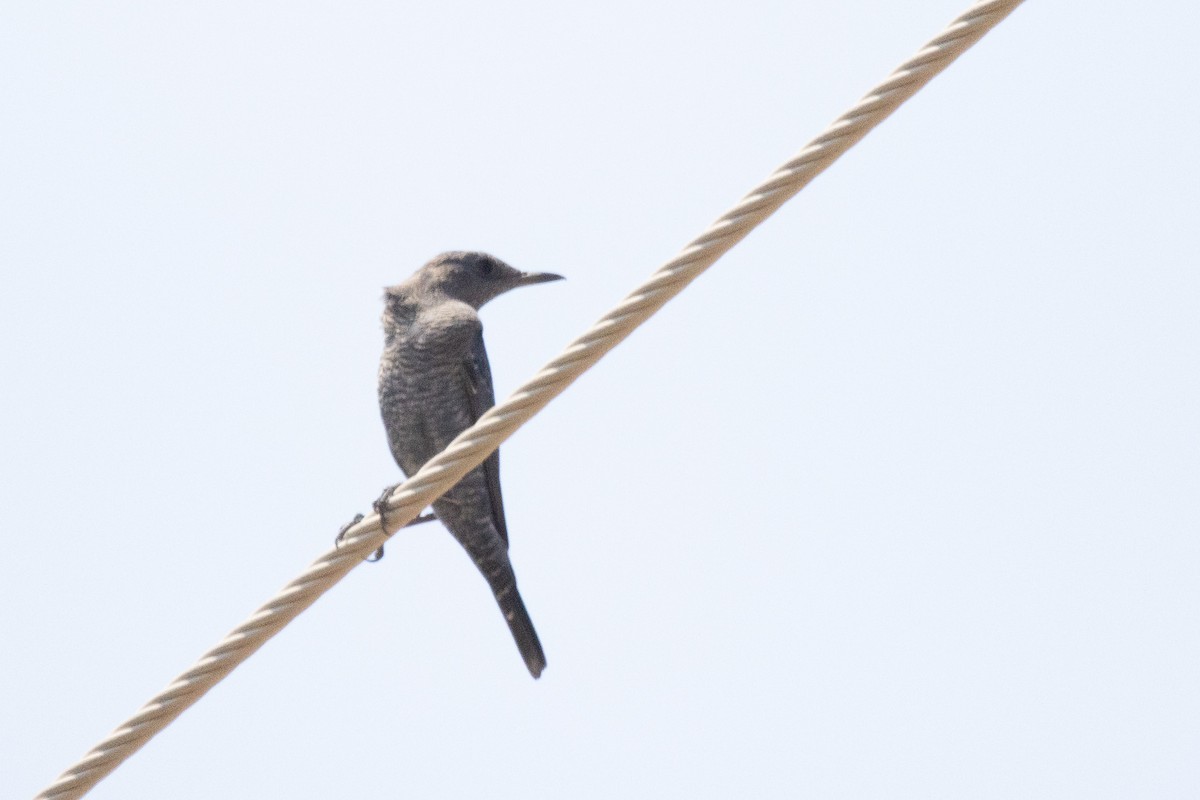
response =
{"points": [[474, 445]]}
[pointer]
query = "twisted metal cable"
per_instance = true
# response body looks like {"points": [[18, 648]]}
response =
{"points": [[472, 446]]}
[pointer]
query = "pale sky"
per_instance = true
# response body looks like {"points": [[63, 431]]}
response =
{"points": [[901, 499]]}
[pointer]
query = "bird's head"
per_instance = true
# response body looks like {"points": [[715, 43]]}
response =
{"points": [[473, 278]]}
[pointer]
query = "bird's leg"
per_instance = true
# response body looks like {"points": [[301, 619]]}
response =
{"points": [[380, 507], [337, 540]]}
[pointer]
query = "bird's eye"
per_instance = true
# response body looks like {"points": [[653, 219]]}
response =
{"points": [[487, 268]]}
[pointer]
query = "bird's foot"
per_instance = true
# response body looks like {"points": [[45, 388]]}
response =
{"points": [[337, 540], [380, 507]]}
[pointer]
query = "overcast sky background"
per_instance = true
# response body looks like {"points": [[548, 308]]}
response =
{"points": [[902, 499]]}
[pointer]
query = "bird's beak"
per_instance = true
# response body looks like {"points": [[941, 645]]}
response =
{"points": [[530, 278]]}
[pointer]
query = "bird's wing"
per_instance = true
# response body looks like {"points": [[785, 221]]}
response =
{"points": [[480, 397]]}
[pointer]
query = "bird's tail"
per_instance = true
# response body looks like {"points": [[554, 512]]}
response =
{"points": [[521, 626]]}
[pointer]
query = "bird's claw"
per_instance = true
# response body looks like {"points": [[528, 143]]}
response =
{"points": [[337, 540], [341, 535], [380, 507]]}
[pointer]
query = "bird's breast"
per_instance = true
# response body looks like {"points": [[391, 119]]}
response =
{"points": [[421, 398]]}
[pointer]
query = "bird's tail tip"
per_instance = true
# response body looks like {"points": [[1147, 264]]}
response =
{"points": [[524, 634]]}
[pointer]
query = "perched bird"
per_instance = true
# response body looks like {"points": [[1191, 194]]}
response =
{"points": [[434, 383]]}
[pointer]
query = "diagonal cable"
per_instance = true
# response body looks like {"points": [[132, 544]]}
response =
{"points": [[474, 444]]}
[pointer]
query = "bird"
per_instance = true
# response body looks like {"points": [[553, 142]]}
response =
{"points": [[434, 383]]}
